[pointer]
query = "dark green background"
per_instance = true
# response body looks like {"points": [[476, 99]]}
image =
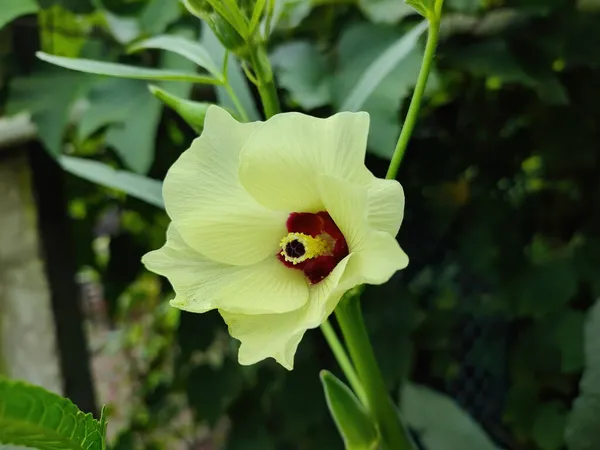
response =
{"points": [[502, 221]]}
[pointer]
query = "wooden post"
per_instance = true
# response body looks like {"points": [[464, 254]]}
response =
{"points": [[42, 338], [28, 344]]}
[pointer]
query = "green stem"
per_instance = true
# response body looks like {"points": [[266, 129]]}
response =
{"points": [[269, 97], [342, 358], [236, 102], [351, 322], [415, 103], [266, 87]]}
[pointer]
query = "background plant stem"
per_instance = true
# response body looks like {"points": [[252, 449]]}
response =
{"points": [[415, 102]]}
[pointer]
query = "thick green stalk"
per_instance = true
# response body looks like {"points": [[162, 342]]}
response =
{"points": [[415, 103], [350, 318], [269, 97], [266, 87]]}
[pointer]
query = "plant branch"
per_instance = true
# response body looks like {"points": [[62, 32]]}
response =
{"points": [[415, 103]]}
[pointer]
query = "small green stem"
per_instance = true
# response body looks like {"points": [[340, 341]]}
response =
{"points": [[415, 103], [379, 403], [237, 103], [342, 358]]}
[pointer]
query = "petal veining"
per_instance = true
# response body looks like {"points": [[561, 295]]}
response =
{"points": [[281, 159], [385, 205], [202, 284], [204, 197], [278, 335]]}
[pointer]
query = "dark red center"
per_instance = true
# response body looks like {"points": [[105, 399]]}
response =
{"points": [[314, 225]]}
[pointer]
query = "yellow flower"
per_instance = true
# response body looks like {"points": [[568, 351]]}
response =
{"points": [[272, 222]]}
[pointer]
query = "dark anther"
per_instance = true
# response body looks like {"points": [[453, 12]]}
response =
{"points": [[295, 249]]}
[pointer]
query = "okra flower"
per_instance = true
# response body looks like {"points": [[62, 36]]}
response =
{"points": [[272, 222]]}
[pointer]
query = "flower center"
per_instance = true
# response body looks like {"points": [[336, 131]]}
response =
{"points": [[314, 244], [298, 247]]}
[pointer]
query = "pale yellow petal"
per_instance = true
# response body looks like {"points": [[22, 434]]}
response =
{"points": [[204, 197], [278, 335], [281, 160], [270, 335], [385, 205], [346, 203], [376, 255], [374, 260], [201, 284]]}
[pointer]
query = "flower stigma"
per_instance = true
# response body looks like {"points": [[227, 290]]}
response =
{"points": [[298, 247]]}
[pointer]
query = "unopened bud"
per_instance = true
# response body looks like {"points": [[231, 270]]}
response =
{"points": [[228, 35], [199, 8]]}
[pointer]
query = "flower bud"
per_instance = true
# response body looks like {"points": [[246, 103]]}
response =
{"points": [[228, 35], [199, 8]]}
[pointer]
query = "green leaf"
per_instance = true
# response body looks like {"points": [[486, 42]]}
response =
{"points": [[588, 5], [123, 29], [76, 6], [132, 116], [158, 15], [138, 186], [549, 426], [122, 70], [63, 32], [210, 391], [421, 6], [381, 67], [464, 6], [134, 139], [569, 339], [351, 418], [288, 14], [33, 417], [11, 9], [494, 59], [587, 261], [190, 111], [182, 46], [583, 422], [358, 48], [440, 423], [235, 77], [302, 71], [555, 282], [173, 61], [48, 95], [385, 11]]}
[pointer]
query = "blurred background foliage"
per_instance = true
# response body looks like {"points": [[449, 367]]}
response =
{"points": [[502, 221]]}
